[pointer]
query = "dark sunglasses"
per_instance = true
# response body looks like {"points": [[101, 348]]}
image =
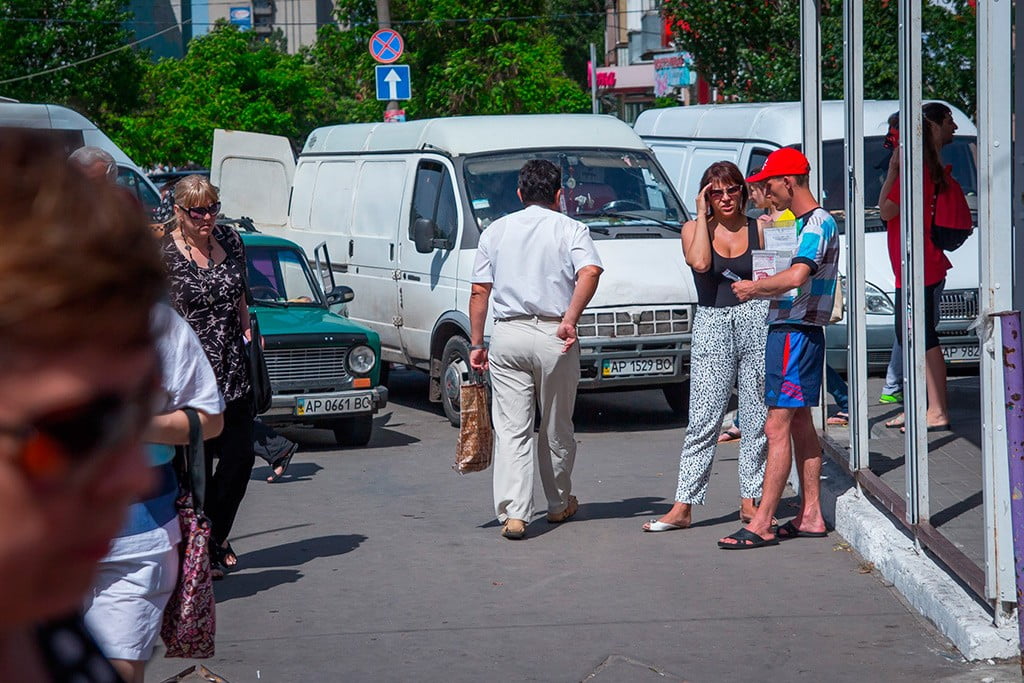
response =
{"points": [[719, 193], [61, 440], [198, 212]]}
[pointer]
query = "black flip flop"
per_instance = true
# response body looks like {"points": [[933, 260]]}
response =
{"points": [[790, 530], [745, 540], [283, 464]]}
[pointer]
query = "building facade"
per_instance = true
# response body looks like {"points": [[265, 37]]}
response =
{"points": [[640, 60], [172, 23]]}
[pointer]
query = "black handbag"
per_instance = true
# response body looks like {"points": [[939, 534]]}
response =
{"points": [[259, 376]]}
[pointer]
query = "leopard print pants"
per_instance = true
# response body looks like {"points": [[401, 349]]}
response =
{"points": [[728, 345]]}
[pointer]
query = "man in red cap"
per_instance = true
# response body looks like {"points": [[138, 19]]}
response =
{"points": [[801, 304]]}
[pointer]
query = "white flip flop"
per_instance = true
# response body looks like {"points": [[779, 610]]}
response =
{"points": [[654, 525]]}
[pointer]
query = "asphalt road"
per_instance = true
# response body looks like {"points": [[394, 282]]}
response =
{"points": [[383, 564]]}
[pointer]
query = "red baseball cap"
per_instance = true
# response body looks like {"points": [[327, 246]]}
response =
{"points": [[785, 161]]}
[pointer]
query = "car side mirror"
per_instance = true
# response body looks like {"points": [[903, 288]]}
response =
{"points": [[340, 294], [423, 231]]}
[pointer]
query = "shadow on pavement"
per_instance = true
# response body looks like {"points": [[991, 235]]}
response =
{"points": [[297, 471], [301, 552], [245, 582], [250, 583]]}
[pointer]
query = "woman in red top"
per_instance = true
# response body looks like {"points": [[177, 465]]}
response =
{"points": [[936, 179]]}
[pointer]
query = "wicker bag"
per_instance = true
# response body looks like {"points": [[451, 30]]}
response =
{"points": [[476, 436]]}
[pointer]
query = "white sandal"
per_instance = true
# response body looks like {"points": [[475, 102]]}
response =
{"points": [[654, 525]]}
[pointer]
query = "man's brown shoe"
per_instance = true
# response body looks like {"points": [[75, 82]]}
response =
{"points": [[565, 514], [514, 529]]}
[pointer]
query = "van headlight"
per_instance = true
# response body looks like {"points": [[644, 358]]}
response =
{"points": [[876, 302], [361, 360]]}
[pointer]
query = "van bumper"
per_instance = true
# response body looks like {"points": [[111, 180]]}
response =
{"points": [[597, 372]]}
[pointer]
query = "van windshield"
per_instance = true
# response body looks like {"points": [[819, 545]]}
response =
{"points": [[961, 154], [280, 275], [619, 194]]}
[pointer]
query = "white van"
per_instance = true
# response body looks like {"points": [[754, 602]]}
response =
{"points": [[402, 206], [688, 139], [75, 131]]}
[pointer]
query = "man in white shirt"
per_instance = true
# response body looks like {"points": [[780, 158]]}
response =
{"points": [[542, 269]]}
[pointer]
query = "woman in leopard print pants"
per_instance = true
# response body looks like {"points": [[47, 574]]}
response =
{"points": [[728, 345]]}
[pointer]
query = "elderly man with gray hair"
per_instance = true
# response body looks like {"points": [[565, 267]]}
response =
{"points": [[97, 163]]}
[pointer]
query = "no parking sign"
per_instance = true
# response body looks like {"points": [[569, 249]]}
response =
{"points": [[386, 46]]}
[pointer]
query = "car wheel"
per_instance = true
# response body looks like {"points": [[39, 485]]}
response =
{"points": [[454, 366], [678, 398], [353, 431]]}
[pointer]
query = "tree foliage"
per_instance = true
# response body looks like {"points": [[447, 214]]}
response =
{"points": [[465, 56], [750, 49], [39, 35], [227, 79]]}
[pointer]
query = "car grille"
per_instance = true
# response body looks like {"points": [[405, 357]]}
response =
{"points": [[958, 304], [634, 322], [312, 369]]}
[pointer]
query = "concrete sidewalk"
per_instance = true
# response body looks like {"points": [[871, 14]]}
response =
{"points": [[382, 564], [954, 463], [949, 597]]}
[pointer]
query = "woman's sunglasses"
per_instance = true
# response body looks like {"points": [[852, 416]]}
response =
{"points": [[199, 212], [719, 193], [61, 440]]}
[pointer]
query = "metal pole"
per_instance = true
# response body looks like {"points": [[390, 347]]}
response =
{"points": [[1018, 165], [912, 262], [810, 100], [856, 320], [593, 78], [1013, 394], [995, 219], [384, 21]]}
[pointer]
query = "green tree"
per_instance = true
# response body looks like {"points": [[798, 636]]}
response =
{"points": [[37, 36], [750, 49], [227, 79], [466, 57]]}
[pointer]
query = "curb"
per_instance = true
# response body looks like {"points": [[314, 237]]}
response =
{"points": [[924, 584]]}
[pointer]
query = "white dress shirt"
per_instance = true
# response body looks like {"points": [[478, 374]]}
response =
{"points": [[531, 258]]}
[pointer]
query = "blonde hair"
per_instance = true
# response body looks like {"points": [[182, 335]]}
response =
{"points": [[78, 265], [195, 190]]}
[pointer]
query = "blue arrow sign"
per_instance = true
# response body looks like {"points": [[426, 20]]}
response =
{"points": [[393, 82]]}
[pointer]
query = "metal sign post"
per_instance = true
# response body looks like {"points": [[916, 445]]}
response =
{"points": [[856, 320], [912, 262], [994, 226]]}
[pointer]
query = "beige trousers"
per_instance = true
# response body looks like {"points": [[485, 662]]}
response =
{"points": [[527, 365]]}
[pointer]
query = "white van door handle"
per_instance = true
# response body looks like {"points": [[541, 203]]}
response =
{"points": [[408, 276], [351, 247]]}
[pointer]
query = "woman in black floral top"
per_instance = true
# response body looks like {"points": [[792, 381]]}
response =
{"points": [[205, 265]]}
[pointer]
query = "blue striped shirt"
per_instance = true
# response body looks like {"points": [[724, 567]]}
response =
{"points": [[817, 248]]}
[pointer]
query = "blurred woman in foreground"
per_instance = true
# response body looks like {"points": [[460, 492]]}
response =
{"points": [[79, 276]]}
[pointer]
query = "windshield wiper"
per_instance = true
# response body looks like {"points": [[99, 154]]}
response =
{"points": [[630, 216]]}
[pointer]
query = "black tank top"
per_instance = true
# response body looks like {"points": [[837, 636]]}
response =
{"points": [[713, 288]]}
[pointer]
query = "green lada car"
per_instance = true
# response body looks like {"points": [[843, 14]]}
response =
{"points": [[324, 369]]}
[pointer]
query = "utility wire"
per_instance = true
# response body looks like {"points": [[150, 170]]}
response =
{"points": [[90, 59], [369, 22]]}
